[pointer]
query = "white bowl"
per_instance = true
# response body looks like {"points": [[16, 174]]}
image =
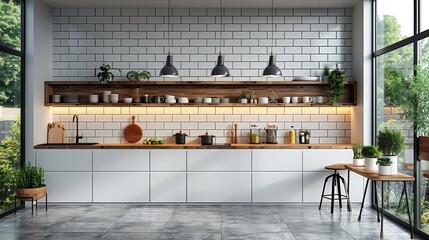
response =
{"points": [[263, 100], [198, 100], [207, 100], [128, 100], [170, 101]]}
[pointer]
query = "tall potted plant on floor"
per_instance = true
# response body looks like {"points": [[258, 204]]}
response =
{"points": [[391, 143], [371, 153], [30, 181]]}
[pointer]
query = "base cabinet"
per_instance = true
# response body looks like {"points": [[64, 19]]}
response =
{"points": [[277, 187], [219, 187], [121, 187], [69, 186], [168, 187]]}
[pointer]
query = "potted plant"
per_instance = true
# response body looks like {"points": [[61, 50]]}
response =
{"points": [[336, 84], [138, 76], [325, 75], [358, 159], [371, 153], [243, 98], [105, 75], [391, 143], [30, 182], [384, 166]]}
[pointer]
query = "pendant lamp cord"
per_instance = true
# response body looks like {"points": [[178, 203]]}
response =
{"points": [[272, 25], [222, 42], [168, 22]]}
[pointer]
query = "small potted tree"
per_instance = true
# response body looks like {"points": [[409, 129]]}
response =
{"points": [[325, 75], [391, 143], [336, 84], [358, 159], [371, 153], [30, 181], [384, 166], [243, 98]]}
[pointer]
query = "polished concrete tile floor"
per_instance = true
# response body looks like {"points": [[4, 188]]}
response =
{"points": [[190, 222]]}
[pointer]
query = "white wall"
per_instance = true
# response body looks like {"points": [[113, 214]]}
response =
{"points": [[38, 69]]}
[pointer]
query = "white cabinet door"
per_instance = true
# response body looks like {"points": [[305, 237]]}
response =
{"points": [[168, 160], [277, 160], [277, 187], [219, 160], [317, 159], [313, 186], [219, 187], [64, 160], [69, 186], [121, 187], [121, 160], [168, 187]]}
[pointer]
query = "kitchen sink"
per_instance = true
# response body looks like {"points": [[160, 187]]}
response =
{"points": [[66, 144]]}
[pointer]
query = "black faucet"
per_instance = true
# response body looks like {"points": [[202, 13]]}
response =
{"points": [[77, 128]]}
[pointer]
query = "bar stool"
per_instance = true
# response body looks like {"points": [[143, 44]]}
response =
{"points": [[336, 182]]}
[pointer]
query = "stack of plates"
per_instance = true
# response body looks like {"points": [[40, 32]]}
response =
{"points": [[305, 78], [224, 100], [71, 98]]}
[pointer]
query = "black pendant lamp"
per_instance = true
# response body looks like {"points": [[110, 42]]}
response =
{"points": [[169, 70], [272, 70], [220, 70]]}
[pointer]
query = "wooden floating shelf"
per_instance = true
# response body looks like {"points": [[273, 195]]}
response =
{"points": [[191, 89]]}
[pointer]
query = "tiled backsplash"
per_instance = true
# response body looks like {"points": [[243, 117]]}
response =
{"points": [[106, 124], [305, 41]]}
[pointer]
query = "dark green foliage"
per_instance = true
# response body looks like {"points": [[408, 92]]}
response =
{"points": [[30, 177], [105, 75], [384, 162], [371, 152], [138, 76], [357, 151], [326, 71], [390, 141], [336, 84]]}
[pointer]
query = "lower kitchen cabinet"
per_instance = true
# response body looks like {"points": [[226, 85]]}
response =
{"points": [[277, 187], [219, 187], [69, 186], [121, 187], [168, 187]]}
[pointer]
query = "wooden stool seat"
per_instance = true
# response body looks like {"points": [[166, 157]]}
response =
{"points": [[338, 166]]}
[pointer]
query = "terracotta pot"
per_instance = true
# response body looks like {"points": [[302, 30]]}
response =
{"points": [[27, 193]]}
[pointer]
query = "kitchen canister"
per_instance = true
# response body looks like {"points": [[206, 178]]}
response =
{"points": [[106, 96]]}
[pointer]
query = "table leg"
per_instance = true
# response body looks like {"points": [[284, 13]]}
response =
{"points": [[408, 210], [400, 200], [363, 200], [374, 191], [382, 209], [339, 190]]}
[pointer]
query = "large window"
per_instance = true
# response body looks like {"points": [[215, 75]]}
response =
{"points": [[11, 99], [399, 46]]}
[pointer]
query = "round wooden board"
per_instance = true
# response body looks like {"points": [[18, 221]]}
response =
{"points": [[133, 133]]}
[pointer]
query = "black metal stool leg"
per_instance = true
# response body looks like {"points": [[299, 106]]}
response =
{"points": [[347, 194], [333, 193], [323, 192], [339, 190]]}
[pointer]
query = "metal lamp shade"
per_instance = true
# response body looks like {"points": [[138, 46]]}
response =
{"points": [[169, 70], [220, 70], [272, 70]]}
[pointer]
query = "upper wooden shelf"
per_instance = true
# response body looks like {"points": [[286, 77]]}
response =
{"points": [[192, 89]]}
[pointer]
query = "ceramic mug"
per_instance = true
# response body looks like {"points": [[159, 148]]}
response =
{"points": [[114, 98], [295, 99], [286, 99], [156, 99], [263, 100], [144, 98], [55, 98], [321, 99], [307, 99]]}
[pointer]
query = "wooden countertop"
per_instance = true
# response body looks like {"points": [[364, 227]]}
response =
{"points": [[375, 176], [193, 146]]}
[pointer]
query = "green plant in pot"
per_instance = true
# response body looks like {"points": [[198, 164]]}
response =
{"points": [[325, 74], [391, 143], [30, 182], [358, 159], [138, 76], [243, 98], [336, 84], [105, 75], [384, 166], [371, 153]]}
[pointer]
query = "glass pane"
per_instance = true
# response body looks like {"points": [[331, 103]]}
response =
{"points": [[10, 126], [394, 21], [391, 70], [424, 17], [10, 23]]}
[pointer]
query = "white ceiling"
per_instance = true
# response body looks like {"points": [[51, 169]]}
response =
{"points": [[199, 3]]}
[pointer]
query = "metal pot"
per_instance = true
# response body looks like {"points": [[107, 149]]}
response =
{"points": [[206, 139], [180, 137]]}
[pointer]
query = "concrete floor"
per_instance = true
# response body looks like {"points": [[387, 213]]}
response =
{"points": [[189, 222]]}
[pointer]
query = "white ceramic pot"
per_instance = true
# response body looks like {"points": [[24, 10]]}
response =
{"points": [[371, 164], [359, 162], [243, 100], [394, 165], [385, 170]]}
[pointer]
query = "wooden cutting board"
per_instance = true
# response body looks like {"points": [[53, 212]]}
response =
{"points": [[133, 133], [56, 132]]}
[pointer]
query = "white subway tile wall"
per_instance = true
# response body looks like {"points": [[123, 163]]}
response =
{"points": [[106, 124]]}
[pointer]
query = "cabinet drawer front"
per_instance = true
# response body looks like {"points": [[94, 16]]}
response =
{"points": [[219, 160], [64, 160], [69, 187], [168, 187], [277, 160], [277, 187], [121, 187], [168, 160], [219, 187], [316, 160], [121, 160]]}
